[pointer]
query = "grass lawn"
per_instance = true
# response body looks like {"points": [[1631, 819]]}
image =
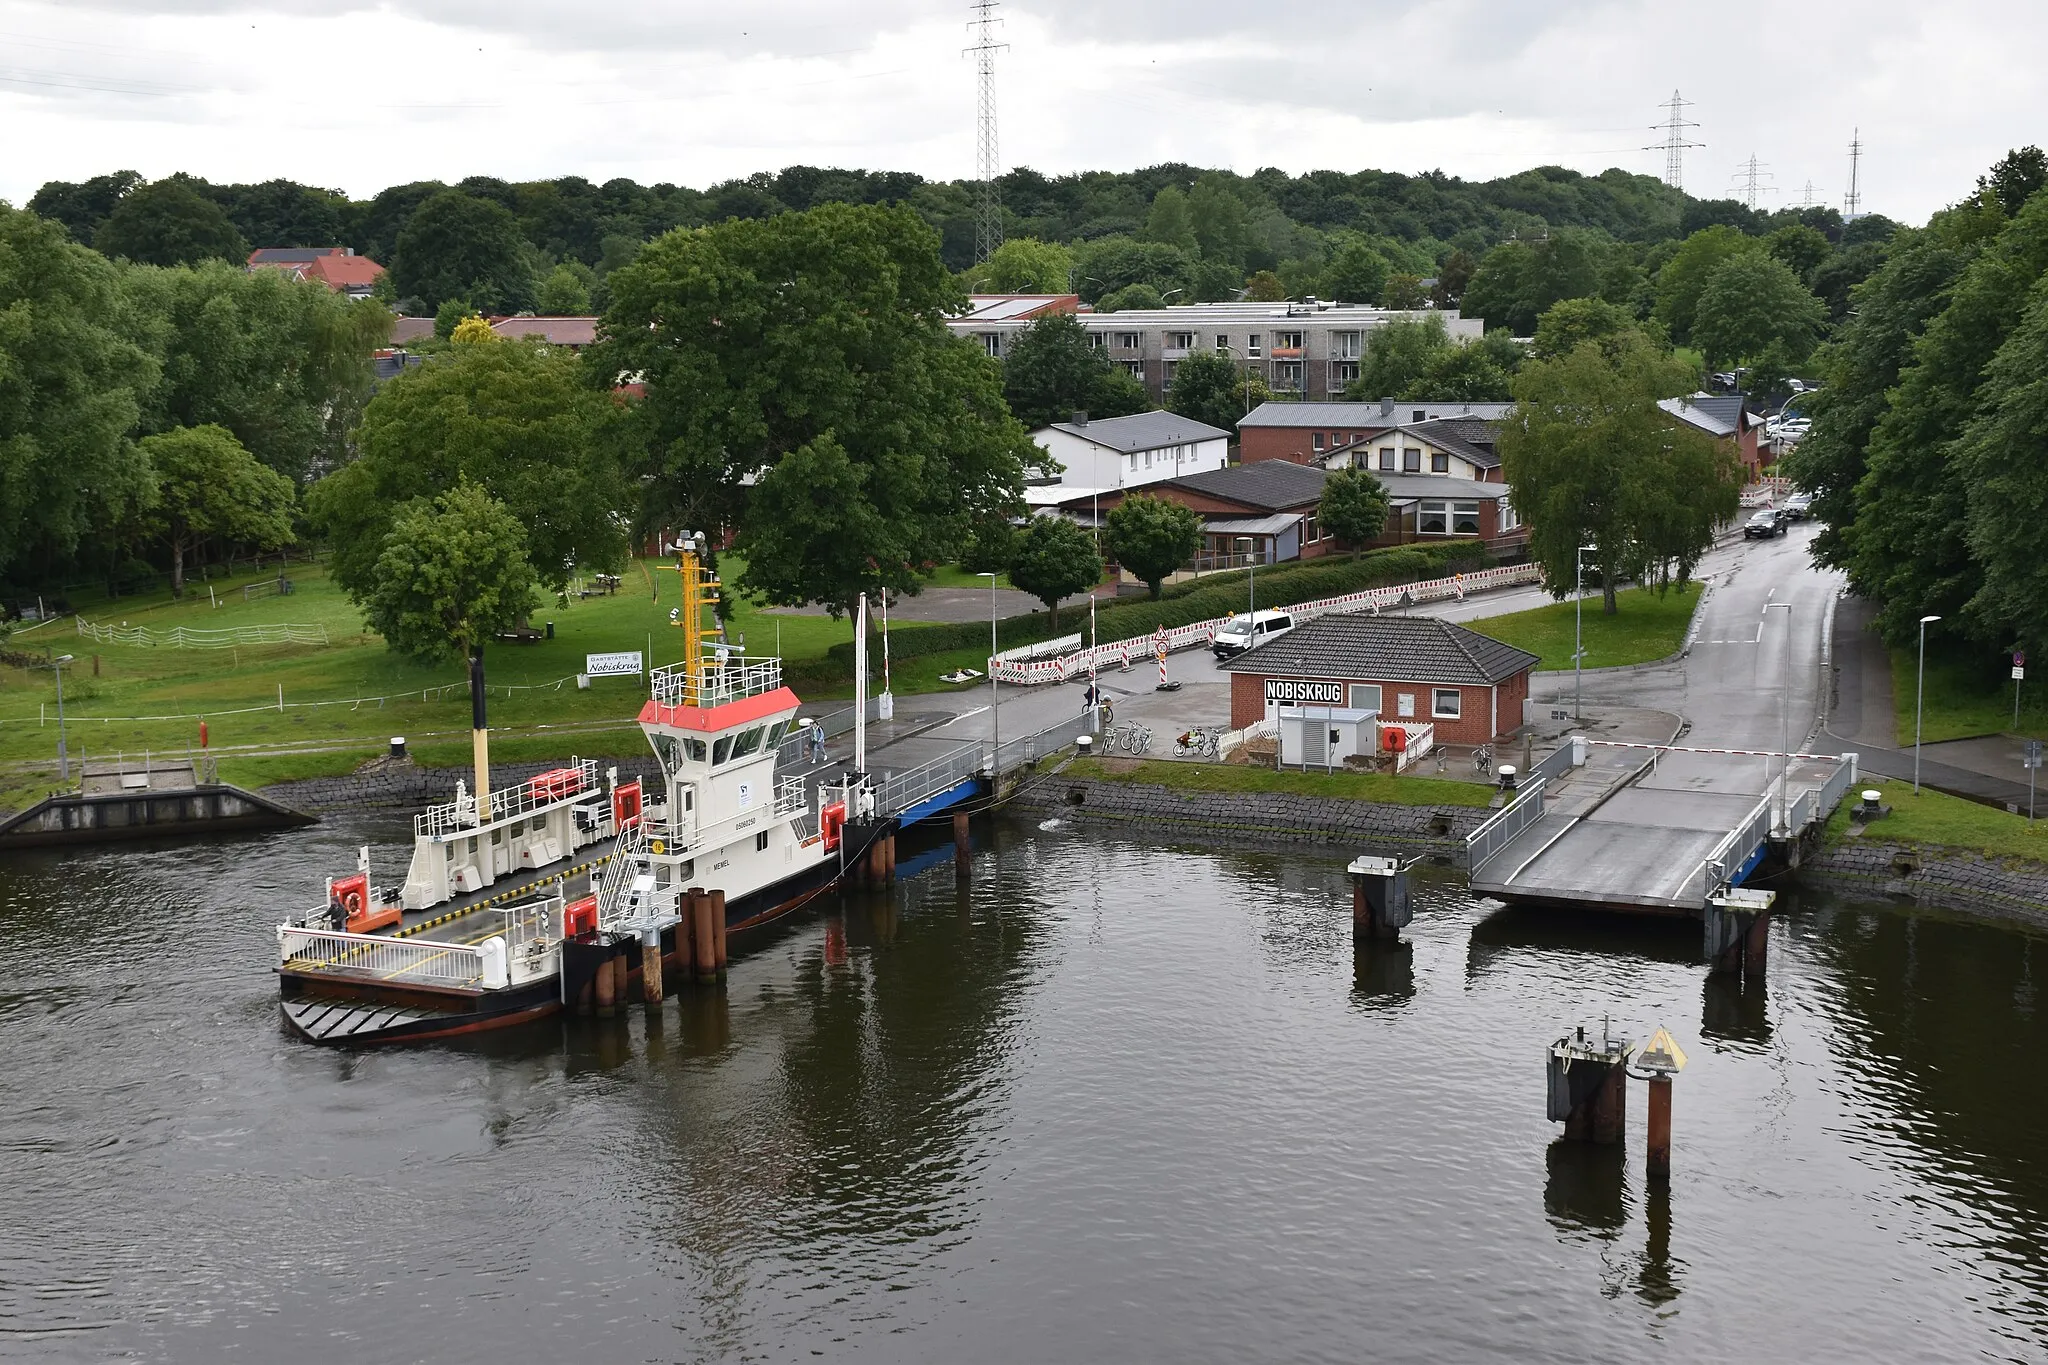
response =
{"points": [[1963, 699], [1645, 627], [353, 691], [1234, 777], [1936, 820]]}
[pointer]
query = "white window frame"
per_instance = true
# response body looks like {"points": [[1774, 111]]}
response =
{"points": [[1180, 341], [1363, 696], [1222, 342], [1461, 509], [1251, 346], [1437, 711], [1127, 341], [1437, 508], [992, 342]]}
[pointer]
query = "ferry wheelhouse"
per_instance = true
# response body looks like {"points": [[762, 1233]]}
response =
{"points": [[513, 903]]}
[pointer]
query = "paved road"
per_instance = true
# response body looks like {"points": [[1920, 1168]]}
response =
{"points": [[1751, 680]]}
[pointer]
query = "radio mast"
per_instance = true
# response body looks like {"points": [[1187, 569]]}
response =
{"points": [[1852, 202]]}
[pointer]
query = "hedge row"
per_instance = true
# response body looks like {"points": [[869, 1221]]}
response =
{"points": [[1202, 600]]}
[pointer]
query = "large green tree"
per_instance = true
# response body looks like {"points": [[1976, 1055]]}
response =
{"points": [[1684, 277], [456, 245], [82, 207], [69, 396], [1570, 324], [2004, 457], [1054, 559], [1108, 264], [208, 487], [1210, 387], [1475, 372], [802, 390], [1751, 303], [1169, 221], [1861, 366], [1398, 354], [169, 223], [1053, 370], [1908, 548], [1354, 506], [1023, 265], [1592, 459], [285, 365], [451, 573], [1356, 274], [1152, 537], [520, 422]]}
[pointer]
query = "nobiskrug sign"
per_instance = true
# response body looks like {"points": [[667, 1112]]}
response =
{"points": [[1302, 692], [612, 665]]}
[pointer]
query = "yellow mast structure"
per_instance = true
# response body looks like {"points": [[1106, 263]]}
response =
{"points": [[700, 590]]}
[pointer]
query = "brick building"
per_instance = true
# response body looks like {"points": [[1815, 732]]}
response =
{"points": [[1407, 668]]}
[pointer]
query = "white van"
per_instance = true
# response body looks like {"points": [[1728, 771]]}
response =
{"points": [[1241, 632]]}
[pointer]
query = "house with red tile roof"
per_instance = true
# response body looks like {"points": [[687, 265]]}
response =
{"points": [[337, 267]]}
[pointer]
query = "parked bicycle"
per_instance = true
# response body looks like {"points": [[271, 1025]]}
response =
{"points": [[1482, 759], [1200, 742]]}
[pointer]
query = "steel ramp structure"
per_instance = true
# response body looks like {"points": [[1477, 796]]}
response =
{"points": [[1663, 841]]}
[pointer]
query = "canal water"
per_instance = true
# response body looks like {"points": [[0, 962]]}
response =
{"points": [[1108, 1101]]}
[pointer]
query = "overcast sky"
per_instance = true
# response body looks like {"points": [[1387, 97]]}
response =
{"points": [[362, 95]]}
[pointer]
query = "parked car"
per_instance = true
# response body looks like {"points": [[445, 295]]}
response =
{"points": [[1798, 507], [1723, 380], [1765, 524], [1242, 631]]}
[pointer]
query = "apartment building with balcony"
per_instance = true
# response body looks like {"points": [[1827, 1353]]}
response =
{"points": [[1308, 349]]}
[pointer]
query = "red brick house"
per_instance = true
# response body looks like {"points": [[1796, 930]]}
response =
{"points": [[1305, 433], [1725, 417], [1407, 668], [337, 267]]}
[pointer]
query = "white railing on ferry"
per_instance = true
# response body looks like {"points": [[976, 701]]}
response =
{"points": [[507, 803], [417, 961], [740, 676]]}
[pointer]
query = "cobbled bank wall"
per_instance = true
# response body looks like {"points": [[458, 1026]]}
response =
{"points": [[1952, 879], [1283, 817], [404, 783]]}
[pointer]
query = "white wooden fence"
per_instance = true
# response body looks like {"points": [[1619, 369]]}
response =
{"points": [[1139, 650]]}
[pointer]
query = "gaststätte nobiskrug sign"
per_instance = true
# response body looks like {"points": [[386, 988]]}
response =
{"points": [[1304, 692], [625, 664]]}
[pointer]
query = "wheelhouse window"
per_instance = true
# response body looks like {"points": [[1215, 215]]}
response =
{"points": [[721, 751], [748, 742], [1446, 703]]}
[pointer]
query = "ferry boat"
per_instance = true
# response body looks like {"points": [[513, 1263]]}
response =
{"points": [[512, 899]]}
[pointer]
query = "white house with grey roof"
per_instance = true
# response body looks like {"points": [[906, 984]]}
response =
{"points": [[1129, 452]]}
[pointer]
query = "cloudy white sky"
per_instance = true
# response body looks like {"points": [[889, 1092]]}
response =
{"points": [[358, 94]]}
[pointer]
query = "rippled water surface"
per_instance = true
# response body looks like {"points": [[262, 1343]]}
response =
{"points": [[1106, 1101]]}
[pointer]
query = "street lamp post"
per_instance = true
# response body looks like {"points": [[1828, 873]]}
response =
{"points": [[995, 700], [63, 758], [1919, 695], [1579, 636], [1785, 710]]}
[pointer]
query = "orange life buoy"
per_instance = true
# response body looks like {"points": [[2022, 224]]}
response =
{"points": [[1394, 739], [831, 820]]}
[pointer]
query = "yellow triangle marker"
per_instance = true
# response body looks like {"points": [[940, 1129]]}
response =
{"points": [[1661, 1053]]}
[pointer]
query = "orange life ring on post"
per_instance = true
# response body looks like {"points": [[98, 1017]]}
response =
{"points": [[1394, 739], [831, 820]]}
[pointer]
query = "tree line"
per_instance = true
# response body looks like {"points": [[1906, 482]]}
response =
{"points": [[1928, 455]]}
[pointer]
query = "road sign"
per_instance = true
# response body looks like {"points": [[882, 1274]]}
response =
{"points": [[2018, 672], [1661, 1053], [2019, 658], [2033, 758]]}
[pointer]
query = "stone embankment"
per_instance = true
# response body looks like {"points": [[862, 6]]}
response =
{"points": [[1950, 878], [1273, 816], [401, 782]]}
